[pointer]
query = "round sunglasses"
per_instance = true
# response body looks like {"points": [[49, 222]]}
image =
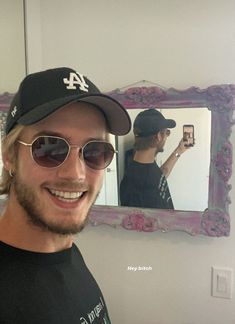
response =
{"points": [[52, 151]]}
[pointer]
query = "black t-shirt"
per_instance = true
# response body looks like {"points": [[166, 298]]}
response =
{"points": [[144, 185], [48, 288]]}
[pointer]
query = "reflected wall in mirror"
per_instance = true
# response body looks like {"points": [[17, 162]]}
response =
{"points": [[189, 189], [214, 219]]}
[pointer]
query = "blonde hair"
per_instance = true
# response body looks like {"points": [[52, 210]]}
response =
{"points": [[9, 145]]}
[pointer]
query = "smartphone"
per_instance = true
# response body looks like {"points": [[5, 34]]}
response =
{"points": [[188, 135]]}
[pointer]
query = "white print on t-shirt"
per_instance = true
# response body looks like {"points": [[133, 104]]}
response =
{"points": [[94, 313], [162, 186]]}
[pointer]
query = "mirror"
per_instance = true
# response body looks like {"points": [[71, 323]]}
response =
{"points": [[183, 179], [214, 219]]}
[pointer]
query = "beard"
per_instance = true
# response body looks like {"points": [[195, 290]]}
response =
{"points": [[29, 201], [160, 147], [159, 150]]}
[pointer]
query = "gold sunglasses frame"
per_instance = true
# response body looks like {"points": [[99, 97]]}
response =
{"points": [[70, 146]]}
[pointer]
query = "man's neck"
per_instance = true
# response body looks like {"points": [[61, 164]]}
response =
{"points": [[145, 156]]}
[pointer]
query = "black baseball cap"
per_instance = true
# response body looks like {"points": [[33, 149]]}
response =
{"points": [[151, 121], [42, 93]]}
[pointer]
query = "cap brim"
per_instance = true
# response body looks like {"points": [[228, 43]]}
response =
{"points": [[117, 117], [149, 130], [170, 123]]}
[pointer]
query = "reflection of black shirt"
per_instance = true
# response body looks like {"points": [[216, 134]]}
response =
{"points": [[144, 185], [129, 155]]}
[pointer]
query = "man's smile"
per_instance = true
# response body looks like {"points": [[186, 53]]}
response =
{"points": [[66, 194]]}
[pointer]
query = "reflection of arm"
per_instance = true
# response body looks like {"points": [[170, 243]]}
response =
{"points": [[170, 162]]}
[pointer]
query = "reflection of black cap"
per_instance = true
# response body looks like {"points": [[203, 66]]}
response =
{"points": [[42, 93], [151, 121]]}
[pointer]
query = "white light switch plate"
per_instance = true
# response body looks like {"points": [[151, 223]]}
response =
{"points": [[222, 281]]}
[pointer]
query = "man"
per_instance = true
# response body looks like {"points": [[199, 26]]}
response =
{"points": [[144, 183], [54, 154]]}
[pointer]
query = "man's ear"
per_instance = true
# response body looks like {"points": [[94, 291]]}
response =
{"points": [[7, 161]]}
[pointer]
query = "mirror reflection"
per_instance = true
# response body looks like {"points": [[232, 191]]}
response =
{"points": [[189, 177]]}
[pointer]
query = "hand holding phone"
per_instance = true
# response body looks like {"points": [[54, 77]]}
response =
{"points": [[188, 135]]}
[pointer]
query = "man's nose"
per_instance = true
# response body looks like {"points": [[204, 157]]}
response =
{"points": [[74, 167]]}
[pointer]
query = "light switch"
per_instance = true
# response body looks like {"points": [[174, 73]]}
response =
{"points": [[222, 280]]}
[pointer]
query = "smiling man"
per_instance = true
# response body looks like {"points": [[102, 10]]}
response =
{"points": [[55, 150]]}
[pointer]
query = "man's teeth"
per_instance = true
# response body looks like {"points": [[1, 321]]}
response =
{"points": [[66, 194]]}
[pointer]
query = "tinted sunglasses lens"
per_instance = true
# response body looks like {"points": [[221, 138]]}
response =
{"points": [[98, 155], [49, 152]]}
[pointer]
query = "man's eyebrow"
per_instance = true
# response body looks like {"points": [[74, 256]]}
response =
{"points": [[47, 133], [56, 134]]}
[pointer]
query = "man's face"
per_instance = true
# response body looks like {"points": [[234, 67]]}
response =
{"points": [[162, 139], [58, 199]]}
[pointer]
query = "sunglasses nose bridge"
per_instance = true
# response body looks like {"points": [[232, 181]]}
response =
{"points": [[78, 148], [75, 161], [80, 151]]}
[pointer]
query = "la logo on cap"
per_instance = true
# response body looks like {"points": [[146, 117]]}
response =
{"points": [[74, 79], [14, 111]]}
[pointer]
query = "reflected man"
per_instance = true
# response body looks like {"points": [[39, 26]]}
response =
{"points": [[145, 183]]}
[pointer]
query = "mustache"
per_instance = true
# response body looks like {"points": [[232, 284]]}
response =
{"points": [[67, 185]]}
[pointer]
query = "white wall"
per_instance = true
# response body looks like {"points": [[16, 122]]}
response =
{"points": [[12, 63], [173, 43]]}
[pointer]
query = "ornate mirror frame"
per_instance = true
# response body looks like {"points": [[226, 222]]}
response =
{"points": [[215, 220]]}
